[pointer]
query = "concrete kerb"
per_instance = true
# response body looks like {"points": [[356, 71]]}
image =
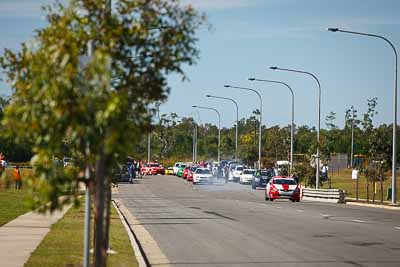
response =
{"points": [[138, 253], [146, 246], [361, 204]]}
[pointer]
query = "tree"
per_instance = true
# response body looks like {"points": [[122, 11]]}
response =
{"points": [[100, 109]]}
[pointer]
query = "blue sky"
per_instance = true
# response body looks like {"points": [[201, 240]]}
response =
{"points": [[248, 36]]}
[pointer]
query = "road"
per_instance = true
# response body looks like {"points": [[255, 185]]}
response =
{"points": [[232, 225]]}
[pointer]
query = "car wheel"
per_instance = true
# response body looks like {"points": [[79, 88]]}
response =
{"points": [[266, 198], [292, 200], [253, 186]]}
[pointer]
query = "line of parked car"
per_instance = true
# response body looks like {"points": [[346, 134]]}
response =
{"points": [[276, 186]]}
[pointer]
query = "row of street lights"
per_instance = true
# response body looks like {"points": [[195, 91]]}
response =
{"points": [[318, 114]]}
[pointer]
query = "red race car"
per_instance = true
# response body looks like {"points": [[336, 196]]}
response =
{"points": [[191, 170], [185, 172], [282, 187], [153, 168]]}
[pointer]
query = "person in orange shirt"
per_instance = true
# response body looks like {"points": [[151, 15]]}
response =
{"points": [[17, 177]]}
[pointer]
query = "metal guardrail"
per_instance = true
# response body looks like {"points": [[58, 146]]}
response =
{"points": [[324, 195]]}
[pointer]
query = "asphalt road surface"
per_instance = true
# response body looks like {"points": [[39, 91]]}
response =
{"points": [[232, 225]]}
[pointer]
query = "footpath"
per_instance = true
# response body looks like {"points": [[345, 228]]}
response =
{"points": [[20, 237]]}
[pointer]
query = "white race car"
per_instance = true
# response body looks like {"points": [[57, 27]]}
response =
{"points": [[202, 175], [247, 176]]}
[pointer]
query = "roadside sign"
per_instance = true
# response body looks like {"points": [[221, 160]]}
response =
{"points": [[354, 174]]}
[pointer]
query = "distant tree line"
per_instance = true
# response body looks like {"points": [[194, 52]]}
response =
{"points": [[172, 138]]}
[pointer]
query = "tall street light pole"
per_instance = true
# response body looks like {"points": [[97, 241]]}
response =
{"points": [[319, 116], [352, 138], [394, 149], [260, 128], [219, 128], [292, 124], [237, 120]]}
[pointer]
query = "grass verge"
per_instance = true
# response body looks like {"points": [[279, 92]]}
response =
{"points": [[13, 203], [342, 180], [63, 245]]}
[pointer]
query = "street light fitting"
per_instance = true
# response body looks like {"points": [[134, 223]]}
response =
{"points": [[333, 29], [194, 106], [227, 86], [273, 68], [208, 95], [251, 79]]}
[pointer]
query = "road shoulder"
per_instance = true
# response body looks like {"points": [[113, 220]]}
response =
{"points": [[152, 252]]}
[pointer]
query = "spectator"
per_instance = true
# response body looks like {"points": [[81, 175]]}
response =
{"points": [[131, 170], [138, 168], [325, 172], [17, 177], [1, 161]]}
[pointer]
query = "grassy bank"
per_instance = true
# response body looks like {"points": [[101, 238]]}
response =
{"points": [[63, 245], [342, 180], [12, 202]]}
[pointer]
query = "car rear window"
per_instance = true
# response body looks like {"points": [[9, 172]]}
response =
{"points": [[265, 173], [284, 181], [155, 165], [239, 168], [203, 171], [248, 172]]}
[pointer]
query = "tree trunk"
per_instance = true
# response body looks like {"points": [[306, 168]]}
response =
{"points": [[367, 190], [107, 215], [100, 249]]}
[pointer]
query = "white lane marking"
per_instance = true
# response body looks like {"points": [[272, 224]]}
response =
{"points": [[300, 210], [325, 215], [359, 221], [397, 227], [262, 204], [278, 207]]}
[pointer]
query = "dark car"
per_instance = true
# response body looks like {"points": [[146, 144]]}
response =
{"points": [[120, 173], [261, 178]]}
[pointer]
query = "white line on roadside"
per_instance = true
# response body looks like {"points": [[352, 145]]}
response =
{"points": [[397, 227], [300, 210], [359, 221], [262, 204], [325, 215], [278, 207]]}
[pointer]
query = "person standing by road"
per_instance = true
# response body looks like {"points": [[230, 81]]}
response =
{"points": [[138, 164], [131, 170], [2, 158], [324, 172], [17, 178]]}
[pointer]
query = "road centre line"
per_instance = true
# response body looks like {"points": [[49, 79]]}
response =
{"points": [[300, 210], [359, 221], [397, 227]]}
